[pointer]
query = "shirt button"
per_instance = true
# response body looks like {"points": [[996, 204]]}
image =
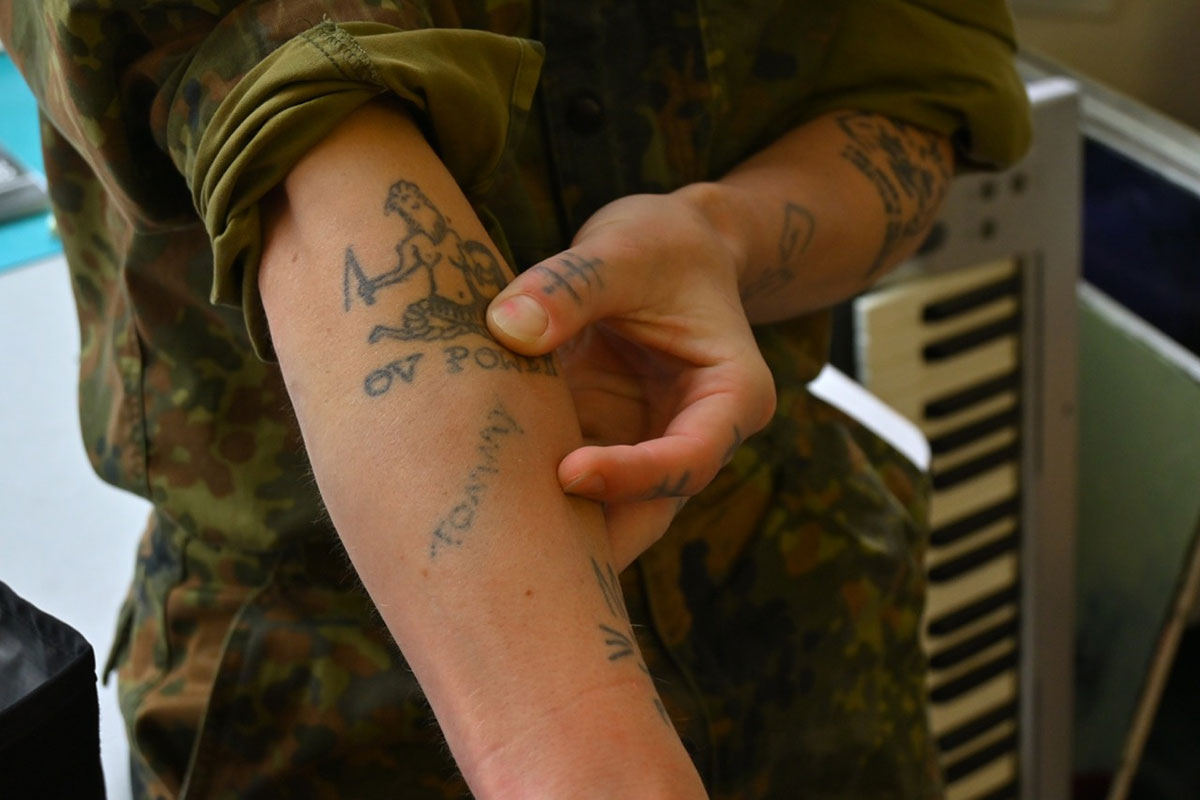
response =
{"points": [[585, 113]]}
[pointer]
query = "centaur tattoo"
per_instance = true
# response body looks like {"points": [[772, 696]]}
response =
{"points": [[460, 276]]}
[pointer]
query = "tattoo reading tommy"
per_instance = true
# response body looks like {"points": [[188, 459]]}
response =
{"points": [[455, 525], [618, 636], [908, 169]]}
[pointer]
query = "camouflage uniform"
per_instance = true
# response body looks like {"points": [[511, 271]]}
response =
{"points": [[779, 615]]}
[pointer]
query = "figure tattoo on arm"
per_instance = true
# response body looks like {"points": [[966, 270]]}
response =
{"points": [[458, 278], [909, 170]]}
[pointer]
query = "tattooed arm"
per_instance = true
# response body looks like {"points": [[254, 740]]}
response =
{"points": [[826, 210], [435, 451], [655, 298]]}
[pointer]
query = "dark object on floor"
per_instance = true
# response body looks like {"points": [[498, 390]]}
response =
{"points": [[49, 712]]}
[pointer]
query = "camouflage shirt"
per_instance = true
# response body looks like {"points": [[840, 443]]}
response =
{"points": [[165, 123], [155, 110]]}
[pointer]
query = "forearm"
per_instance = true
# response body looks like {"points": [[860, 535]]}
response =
{"points": [[826, 210], [436, 453]]}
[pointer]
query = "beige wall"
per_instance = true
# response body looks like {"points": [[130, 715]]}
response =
{"points": [[1146, 48]]}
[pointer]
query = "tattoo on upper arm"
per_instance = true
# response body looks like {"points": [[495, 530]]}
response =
{"points": [[909, 170], [451, 529], [570, 273], [457, 277], [794, 238], [618, 636], [460, 276]]}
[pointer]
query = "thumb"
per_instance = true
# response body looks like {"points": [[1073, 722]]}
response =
{"points": [[549, 303]]}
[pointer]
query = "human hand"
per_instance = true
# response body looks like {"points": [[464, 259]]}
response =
{"points": [[658, 354]]}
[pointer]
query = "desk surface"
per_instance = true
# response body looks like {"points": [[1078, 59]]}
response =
{"points": [[67, 540]]}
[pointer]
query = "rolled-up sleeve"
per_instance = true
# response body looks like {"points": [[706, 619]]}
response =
{"points": [[470, 91], [941, 64]]}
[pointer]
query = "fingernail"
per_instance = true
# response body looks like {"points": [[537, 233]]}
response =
{"points": [[521, 317], [589, 484]]}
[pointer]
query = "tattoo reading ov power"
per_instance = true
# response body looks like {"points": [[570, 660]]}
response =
{"points": [[455, 359]]}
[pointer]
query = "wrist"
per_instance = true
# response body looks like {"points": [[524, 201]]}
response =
{"points": [[608, 742], [722, 208]]}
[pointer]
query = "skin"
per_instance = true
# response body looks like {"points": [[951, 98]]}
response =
{"points": [[443, 456], [657, 347], [484, 571]]}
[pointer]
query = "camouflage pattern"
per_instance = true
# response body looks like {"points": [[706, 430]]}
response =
{"points": [[780, 614]]}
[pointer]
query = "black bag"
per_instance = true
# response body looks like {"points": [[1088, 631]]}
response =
{"points": [[49, 711]]}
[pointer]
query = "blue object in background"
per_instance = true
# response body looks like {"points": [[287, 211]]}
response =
{"points": [[1141, 243], [28, 239]]}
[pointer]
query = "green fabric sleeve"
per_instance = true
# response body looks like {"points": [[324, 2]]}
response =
{"points": [[470, 91], [942, 64]]}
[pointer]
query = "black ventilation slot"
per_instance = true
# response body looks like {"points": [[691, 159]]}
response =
{"points": [[953, 689], [951, 532], [949, 478], [973, 395], [961, 617], [955, 567], [969, 301], [974, 728], [969, 340], [977, 760], [961, 437], [973, 645]]}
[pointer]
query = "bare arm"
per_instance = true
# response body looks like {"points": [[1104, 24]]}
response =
{"points": [[664, 370], [827, 210], [435, 451]]}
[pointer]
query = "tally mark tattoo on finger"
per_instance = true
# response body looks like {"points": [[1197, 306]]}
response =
{"points": [[794, 239], [668, 489], [618, 636], [909, 171], [451, 529], [459, 277], [571, 273]]}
